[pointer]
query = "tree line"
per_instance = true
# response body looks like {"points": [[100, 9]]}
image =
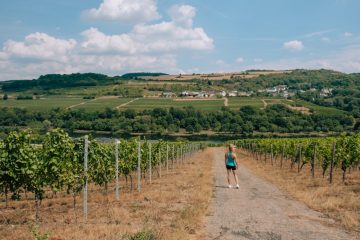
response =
{"points": [[246, 120]]}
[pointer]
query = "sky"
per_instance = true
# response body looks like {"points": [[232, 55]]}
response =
{"points": [[114, 37]]}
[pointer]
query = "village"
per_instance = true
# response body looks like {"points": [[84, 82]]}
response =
{"points": [[277, 91]]}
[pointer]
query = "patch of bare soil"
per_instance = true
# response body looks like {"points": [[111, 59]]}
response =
{"points": [[303, 110]]}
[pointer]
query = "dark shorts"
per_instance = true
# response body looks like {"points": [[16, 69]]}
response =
{"points": [[230, 167]]}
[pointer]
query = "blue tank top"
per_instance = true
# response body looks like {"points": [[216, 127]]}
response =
{"points": [[230, 161]]}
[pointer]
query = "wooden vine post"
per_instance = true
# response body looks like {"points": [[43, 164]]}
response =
{"points": [[117, 194], [138, 167], [150, 170], [299, 158], [313, 159], [332, 162], [86, 153], [282, 156]]}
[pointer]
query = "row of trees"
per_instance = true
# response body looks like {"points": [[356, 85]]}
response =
{"points": [[330, 152], [275, 118], [52, 81], [57, 164]]}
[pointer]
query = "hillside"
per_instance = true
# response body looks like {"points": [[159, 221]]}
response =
{"points": [[281, 102], [53, 81]]}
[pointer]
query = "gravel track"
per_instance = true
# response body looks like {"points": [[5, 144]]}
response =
{"points": [[259, 210]]}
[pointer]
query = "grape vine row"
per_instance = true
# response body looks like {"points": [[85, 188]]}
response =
{"points": [[57, 164], [328, 152]]}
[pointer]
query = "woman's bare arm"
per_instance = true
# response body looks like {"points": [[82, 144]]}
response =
{"points": [[235, 158]]}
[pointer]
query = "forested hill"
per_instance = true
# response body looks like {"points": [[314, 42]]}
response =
{"points": [[52, 81], [301, 80], [142, 74], [304, 80]]}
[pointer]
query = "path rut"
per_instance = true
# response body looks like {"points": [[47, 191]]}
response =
{"points": [[259, 210]]}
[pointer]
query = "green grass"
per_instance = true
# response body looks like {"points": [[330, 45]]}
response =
{"points": [[64, 101], [90, 90], [43, 104], [206, 105], [238, 102], [319, 109], [101, 104]]}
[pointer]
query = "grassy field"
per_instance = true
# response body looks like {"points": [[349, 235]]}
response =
{"points": [[207, 105], [43, 104], [102, 103], [238, 102], [319, 109], [47, 103]]}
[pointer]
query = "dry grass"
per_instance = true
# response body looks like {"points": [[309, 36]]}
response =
{"points": [[339, 201], [172, 207]]}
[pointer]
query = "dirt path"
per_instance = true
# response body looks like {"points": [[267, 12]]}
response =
{"points": [[82, 103], [226, 102], [265, 103], [259, 210], [124, 104]]}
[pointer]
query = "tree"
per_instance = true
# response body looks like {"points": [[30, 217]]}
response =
{"points": [[46, 126], [5, 97]]}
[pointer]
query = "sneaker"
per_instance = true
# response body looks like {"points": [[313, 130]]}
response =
{"points": [[237, 186], [230, 186]]}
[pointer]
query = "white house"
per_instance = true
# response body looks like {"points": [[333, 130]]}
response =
{"points": [[233, 94]]}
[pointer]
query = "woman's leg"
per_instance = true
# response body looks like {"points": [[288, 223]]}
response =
{"points": [[228, 175], [235, 176]]}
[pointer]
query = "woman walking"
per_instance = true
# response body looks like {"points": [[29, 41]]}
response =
{"points": [[231, 165]]}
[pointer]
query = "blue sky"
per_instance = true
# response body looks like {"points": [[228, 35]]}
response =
{"points": [[117, 36]]}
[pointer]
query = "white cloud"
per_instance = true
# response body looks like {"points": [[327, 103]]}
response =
{"points": [[3, 56], [109, 64], [258, 60], [294, 45], [240, 60], [146, 47], [40, 46], [348, 34], [97, 42], [167, 36], [325, 39], [145, 38], [125, 11], [318, 33], [345, 60], [183, 14], [220, 62]]}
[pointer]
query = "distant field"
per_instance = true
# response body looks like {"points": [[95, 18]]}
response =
{"points": [[238, 102], [145, 103], [319, 109], [102, 103], [90, 90], [48, 103], [76, 102], [43, 104]]}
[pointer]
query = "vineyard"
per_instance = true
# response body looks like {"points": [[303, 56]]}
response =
{"points": [[62, 164], [328, 153]]}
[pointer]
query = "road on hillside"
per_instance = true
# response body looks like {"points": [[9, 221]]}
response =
{"points": [[259, 210]]}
